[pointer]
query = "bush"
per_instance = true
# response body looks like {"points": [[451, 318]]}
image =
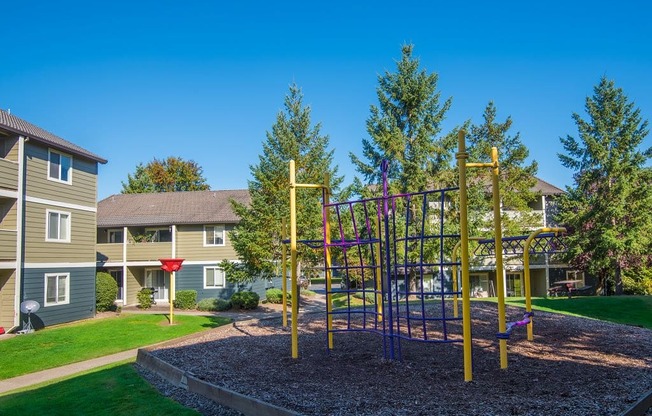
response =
{"points": [[213, 305], [369, 297], [145, 298], [106, 289], [186, 299], [274, 295], [308, 293], [637, 282], [245, 300]]}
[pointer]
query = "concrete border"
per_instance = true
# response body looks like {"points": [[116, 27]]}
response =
{"points": [[228, 398], [641, 406]]}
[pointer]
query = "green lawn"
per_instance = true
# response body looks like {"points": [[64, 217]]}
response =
{"points": [[62, 345], [631, 310], [114, 390]]}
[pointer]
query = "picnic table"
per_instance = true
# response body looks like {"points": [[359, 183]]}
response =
{"points": [[563, 287]]}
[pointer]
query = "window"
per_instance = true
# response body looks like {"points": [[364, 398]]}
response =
{"points": [[57, 289], [161, 235], [213, 277], [59, 167], [115, 236], [57, 226], [575, 275], [213, 235]]}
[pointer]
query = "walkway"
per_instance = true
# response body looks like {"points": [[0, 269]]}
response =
{"points": [[311, 305]]}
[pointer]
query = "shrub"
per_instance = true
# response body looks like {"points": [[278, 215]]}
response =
{"points": [[145, 298], [308, 293], [245, 300], [274, 295], [213, 305], [106, 289], [637, 281], [369, 297], [186, 299]]}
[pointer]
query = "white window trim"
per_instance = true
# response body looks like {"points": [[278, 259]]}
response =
{"points": [[573, 275], [114, 230], [157, 233], [223, 236], [47, 226], [69, 181], [223, 280], [45, 294]]}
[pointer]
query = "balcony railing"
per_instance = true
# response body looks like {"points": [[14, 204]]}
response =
{"points": [[8, 244], [8, 174], [108, 252]]}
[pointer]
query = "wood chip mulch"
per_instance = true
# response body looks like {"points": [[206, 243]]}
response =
{"points": [[574, 366]]}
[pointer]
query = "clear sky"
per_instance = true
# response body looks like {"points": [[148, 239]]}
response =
{"points": [[204, 80]]}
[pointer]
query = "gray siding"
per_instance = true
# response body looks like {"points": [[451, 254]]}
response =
{"points": [[191, 277], [82, 295], [82, 191]]}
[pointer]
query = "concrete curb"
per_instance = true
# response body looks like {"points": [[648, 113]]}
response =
{"points": [[223, 396], [641, 406]]}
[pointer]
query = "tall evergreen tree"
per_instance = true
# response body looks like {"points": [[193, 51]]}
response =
{"points": [[403, 129], [257, 238], [517, 178], [609, 206], [170, 175]]}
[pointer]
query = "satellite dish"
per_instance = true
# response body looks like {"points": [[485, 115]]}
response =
{"points": [[29, 306]]}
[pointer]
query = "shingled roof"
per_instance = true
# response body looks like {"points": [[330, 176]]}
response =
{"points": [[166, 208], [546, 189], [17, 125]]}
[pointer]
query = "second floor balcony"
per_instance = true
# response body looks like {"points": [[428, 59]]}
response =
{"points": [[8, 174], [8, 244], [145, 251]]}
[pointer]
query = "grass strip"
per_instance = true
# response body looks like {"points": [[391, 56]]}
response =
{"points": [[54, 347]]}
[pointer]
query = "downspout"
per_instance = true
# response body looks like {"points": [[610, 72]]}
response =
{"points": [[20, 227], [124, 266]]}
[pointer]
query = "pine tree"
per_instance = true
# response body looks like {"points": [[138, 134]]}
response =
{"points": [[257, 238], [608, 208], [517, 179], [403, 129]]}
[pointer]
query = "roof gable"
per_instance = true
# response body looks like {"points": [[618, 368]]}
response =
{"points": [[20, 126], [167, 208]]}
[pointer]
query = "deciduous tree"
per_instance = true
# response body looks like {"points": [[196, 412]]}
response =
{"points": [[170, 175]]}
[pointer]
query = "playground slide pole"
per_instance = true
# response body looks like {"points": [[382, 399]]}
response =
{"points": [[526, 272], [284, 283], [498, 241], [461, 157], [293, 261], [500, 283], [327, 257]]}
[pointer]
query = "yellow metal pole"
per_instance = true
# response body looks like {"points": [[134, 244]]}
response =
{"points": [[172, 298], [462, 156], [526, 272], [293, 261], [284, 282], [327, 254], [498, 241]]}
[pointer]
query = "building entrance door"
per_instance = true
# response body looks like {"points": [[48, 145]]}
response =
{"points": [[160, 281]]}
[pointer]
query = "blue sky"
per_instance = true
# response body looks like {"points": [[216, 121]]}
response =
{"points": [[204, 80]]}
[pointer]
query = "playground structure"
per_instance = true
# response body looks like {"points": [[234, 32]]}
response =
{"points": [[391, 252]]}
